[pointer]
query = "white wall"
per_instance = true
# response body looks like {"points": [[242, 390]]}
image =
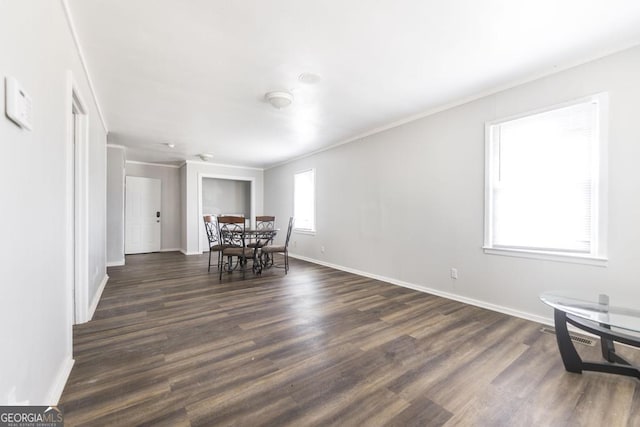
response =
{"points": [[36, 290], [193, 173], [115, 205], [408, 203], [170, 193]]}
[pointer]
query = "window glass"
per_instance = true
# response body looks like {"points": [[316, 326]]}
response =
{"points": [[542, 189], [304, 200]]}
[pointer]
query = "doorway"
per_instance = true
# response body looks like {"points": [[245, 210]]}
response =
{"points": [[143, 226]]}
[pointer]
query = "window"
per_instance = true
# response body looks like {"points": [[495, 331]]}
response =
{"points": [[544, 189], [304, 200]]}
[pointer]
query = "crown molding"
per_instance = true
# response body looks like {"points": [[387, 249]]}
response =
{"points": [[163, 165], [197, 162]]}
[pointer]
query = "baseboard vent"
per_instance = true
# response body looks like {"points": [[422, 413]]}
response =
{"points": [[575, 338]]}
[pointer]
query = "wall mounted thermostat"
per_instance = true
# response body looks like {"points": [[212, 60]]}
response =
{"points": [[18, 103]]}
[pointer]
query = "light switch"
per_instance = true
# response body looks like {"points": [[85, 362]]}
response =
{"points": [[18, 103]]}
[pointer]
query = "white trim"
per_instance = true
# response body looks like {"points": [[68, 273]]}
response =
{"points": [[123, 217], [76, 41], [601, 179], [56, 389], [466, 300], [135, 162], [196, 162], [97, 296], [121, 147], [548, 256], [201, 176], [304, 231], [105, 230], [190, 253], [115, 263], [78, 196], [170, 250], [488, 179]]}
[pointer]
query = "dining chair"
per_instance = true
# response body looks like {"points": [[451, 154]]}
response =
{"points": [[281, 249], [213, 234], [233, 241], [264, 222]]}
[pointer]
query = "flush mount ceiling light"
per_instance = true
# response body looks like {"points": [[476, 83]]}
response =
{"points": [[205, 157], [279, 99]]}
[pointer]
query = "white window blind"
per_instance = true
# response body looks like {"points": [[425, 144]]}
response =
{"points": [[543, 181], [304, 209]]}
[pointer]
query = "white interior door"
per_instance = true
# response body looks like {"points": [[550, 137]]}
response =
{"points": [[142, 215]]}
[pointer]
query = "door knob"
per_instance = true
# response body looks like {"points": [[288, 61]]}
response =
{"points": [[158, 214]]}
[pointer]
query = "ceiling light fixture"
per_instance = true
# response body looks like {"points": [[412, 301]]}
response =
{"points": [[279, 99], [171, 145], [205, 157]]}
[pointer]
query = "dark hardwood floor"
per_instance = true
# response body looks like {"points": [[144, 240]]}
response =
{"points": [[171, 345]]}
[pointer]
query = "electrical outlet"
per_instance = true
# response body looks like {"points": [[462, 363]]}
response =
{"points": [[322, 249], [454, 273]]}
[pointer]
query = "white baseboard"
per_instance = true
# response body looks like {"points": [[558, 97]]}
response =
{"points": [[96, 297], [115, 263], [190, 253], [55, 392], [437, 292], [171, 250]]}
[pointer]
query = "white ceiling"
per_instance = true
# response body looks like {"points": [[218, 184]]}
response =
{"points": [[194, 72]]}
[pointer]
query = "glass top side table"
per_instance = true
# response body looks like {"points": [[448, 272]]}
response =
{"points": [[611, 320]]}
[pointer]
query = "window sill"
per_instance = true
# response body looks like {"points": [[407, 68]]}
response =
{"points": [[304, 231], [549, 256]]}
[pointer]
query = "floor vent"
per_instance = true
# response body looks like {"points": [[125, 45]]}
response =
{"points": [[575, 338]]}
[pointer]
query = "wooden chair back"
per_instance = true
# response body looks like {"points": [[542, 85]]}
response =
{"points": [[265, 222]]}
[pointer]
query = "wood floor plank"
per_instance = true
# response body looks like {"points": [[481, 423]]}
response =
{"points": [[170, 344]]}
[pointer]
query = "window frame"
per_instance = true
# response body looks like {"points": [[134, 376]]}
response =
{"points": [[597, 256], [311, 231]]}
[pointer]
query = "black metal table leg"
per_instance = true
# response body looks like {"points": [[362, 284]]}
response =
{"points": [[609, 349], [570, 358]]}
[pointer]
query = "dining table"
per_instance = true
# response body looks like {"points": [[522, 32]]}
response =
{"points": [[258, 238], [611, 318]]}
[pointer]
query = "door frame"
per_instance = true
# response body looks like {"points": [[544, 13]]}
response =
{"points": [[126, 195], [201, 244], [77, 203]]}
